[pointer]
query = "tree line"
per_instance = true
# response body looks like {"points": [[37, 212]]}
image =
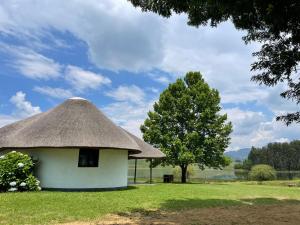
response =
{"points": [[281, 156]]}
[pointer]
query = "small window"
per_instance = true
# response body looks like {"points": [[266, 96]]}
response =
{"points": [[88, 157]]}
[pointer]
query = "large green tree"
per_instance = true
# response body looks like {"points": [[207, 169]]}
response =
{"points": [[274, 23], [186, 124]]}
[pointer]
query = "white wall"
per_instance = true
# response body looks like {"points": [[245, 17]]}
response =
{"points": [[58, 168]]}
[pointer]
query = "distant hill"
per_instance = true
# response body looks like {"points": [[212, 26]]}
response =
{"points": [[239, 154]]}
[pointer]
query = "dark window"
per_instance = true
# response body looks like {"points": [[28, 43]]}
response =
{"points": [[88, 157]]}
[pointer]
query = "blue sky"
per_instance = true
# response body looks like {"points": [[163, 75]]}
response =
{"points": [[121, 59]]}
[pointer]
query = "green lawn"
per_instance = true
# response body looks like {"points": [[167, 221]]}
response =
{"points": [[53, 207]]}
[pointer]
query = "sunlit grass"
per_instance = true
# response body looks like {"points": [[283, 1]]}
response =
{"points": [[54, 207]]}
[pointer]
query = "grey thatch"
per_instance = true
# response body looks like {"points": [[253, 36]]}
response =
{"points": [[148, 151], [74, 123]]}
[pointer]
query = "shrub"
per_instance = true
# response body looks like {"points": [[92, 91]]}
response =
{"points": [[16, 173], [262, 172]]}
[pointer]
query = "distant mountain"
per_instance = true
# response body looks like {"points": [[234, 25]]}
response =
{"points": [[239, 154]]}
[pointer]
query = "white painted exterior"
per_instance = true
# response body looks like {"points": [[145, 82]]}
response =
{"points": [[58, 168]]}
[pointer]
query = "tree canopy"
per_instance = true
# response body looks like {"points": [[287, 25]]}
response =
{"points": [[186, 124], [274, 23]]}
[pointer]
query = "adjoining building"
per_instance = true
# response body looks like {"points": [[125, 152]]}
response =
{"points": [[148, 152]]}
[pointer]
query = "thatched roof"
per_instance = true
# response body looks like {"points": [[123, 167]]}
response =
{"points": [[74, 123], [148, 151]]}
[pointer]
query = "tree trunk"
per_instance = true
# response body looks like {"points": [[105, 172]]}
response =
{"points": [[183, 173]]}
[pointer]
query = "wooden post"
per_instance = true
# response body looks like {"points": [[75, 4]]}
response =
{"points": [[135, 165], [150, 171]]}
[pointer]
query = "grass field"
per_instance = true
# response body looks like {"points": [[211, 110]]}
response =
{"points": [[57, 207]]}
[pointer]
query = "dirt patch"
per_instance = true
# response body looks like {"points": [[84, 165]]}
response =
{"points": [[237, 215]]}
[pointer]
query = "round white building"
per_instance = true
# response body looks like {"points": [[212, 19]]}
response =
{"points": [[76, 146]]}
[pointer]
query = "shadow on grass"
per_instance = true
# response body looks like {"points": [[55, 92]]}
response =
{"points": [[204, 203], [219, 211]]}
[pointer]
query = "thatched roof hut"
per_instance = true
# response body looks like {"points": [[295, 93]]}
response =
{"points": [[77, 146]]}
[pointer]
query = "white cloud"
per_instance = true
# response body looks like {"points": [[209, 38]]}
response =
{"points": [[252, 128], [37, 66], [54, 92], [119, 36], [218, 53], [163, 80], [82, 80], [160, 78], [24, 108], [127, 93], [32, 64], [276, 103], [281, 140], [129, 115], [131, 108], [7, 119], [244, 121], [247, 94]]}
